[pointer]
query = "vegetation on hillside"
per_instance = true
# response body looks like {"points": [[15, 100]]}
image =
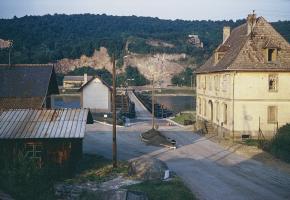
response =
{"points": [[103, 73], [184, 78], [131, 76], [134, 77], [48, 38]]}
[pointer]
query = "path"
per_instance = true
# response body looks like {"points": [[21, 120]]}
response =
{"points": [[141, 111]]}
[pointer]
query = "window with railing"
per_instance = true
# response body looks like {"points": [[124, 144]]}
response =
{"points": [[273, 83]]}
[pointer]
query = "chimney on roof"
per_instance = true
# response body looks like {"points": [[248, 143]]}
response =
{"points": [[85, 78], [251, 22], [226, 33]]}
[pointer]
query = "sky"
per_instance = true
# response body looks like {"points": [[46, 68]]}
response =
{"points": [[272, 10]]}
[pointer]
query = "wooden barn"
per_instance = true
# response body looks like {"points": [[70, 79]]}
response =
{"points": [[27, 86], [96, 95], [48, 136]]}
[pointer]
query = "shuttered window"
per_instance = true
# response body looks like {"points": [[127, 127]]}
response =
{"points": [[272, 114]]}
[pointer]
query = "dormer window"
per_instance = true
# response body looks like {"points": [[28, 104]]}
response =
{"points": [[271, 55], [218, 56]]}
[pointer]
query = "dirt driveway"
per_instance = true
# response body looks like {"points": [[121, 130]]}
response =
{"points": [[209, 170]]}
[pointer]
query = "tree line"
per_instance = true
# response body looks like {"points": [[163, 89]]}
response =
{"points": [[48, 38]]}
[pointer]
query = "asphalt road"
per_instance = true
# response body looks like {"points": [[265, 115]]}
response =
{"points": [[209, 170]]}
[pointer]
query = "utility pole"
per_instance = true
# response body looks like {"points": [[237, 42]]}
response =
{"points": [[9, 54], [152, 98], [114, 145]]}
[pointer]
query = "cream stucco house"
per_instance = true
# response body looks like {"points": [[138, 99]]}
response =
{"points": [[244, 87]]}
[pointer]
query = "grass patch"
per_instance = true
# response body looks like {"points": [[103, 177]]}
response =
{"points": [[183, 117], [164, 190], [98, 169], [251, 142]]}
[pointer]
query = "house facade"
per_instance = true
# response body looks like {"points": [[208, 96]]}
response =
{"points": [[96, 95], [242, 90]]}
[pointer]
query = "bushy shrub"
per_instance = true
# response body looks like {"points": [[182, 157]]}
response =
{"points": [[280, 144], [23, 179]]}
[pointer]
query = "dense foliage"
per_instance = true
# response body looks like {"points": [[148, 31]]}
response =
{"points": [[24, 180], [134, 77], [280, 144], [184, 78], [131, 76], [103, 73], [43, 39]]}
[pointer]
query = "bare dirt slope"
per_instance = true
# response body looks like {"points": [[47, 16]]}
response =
{"points": [[100, 59], [164, 66]]}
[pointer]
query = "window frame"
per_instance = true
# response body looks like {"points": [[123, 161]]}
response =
{"points": [[277, 81], [274, 54], [217, 111], [269, 120]]}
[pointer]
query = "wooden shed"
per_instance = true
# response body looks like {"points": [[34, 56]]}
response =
{"points": [[49, 136], [96, 95], [27, 86]]}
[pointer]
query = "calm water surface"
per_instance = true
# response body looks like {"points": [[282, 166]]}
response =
{"points": [[174, 103], [65, 101], [177, 103]]}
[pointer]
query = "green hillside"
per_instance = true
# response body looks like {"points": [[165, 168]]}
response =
{"points": [[42, 39]]}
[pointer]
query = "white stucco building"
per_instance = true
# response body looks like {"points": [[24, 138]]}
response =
{"points": [[96, 95], [243, 89]]}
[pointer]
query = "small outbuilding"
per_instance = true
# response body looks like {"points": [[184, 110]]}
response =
{"points": [[48, 136], [75, 82], [27, 86], [96, 95]]}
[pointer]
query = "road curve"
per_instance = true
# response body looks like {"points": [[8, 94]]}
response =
{"points": [[208, 169]]}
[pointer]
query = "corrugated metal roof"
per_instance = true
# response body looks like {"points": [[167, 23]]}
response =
{"points": [[25, 81], [42, 124]]}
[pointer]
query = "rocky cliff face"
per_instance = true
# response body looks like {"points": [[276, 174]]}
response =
{"points": [[163, 66], [100, 59]]}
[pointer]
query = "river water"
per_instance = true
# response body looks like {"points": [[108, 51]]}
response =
{"points": [[174, 103], [177, 103]]}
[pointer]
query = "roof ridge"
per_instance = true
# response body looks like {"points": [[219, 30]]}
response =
{"points": [[27, 65]]}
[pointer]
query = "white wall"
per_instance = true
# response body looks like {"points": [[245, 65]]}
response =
{"points": [[96, 96]]}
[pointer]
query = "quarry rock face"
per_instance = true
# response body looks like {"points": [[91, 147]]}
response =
{"points": [[163, 66], [100, 59]]}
